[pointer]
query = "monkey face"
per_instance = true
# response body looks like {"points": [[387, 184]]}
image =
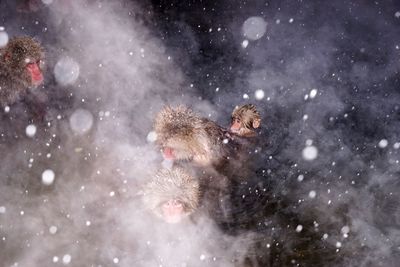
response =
{"points": [[175, 149], [34, 71], [24, 57], [173, 211], [194, 149], [172, 195], [236, 124]]}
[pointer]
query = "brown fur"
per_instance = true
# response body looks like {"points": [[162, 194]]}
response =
{"points": [[191, 137], [249, 118], [175, 184], [14, 78]]}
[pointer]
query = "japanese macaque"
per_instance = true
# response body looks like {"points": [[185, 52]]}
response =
{"points": [[245, 119], [177, 193], [172, 194], [183, 135], [21, 65]]}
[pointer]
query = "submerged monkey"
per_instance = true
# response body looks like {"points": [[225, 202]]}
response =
{"points": [[244, 120], [21, 67], [172, 194], [177, 193]]}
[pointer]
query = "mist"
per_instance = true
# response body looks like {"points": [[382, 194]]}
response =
{"points": [[323, 75]]}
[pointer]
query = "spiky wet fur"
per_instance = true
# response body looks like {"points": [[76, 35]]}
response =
{"points": [[174, 184], [14, 78]]}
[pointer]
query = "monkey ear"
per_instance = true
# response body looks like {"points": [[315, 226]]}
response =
{"points": [[256, 123]]}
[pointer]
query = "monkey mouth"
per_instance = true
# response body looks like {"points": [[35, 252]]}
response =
{"points": [[234, 130]]}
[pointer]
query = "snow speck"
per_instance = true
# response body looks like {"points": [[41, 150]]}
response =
{"points": [[55, 259], [48, 177], [396, 145], [2, 210], [151, 137], [245, 43], [6, 109], [259, 94], [254, 28], [88, 223], [305, 117], [300, 177], [291, 20], [310, 153], [383, 143], [313, 93], [338, 244], [309, 142], [312, 194], [325, 236], [299, 228], [115, 260], [345, 231], [30, 130], [397, 14], [66, 259], [202, 257], [53, 229], [112, 193], [245, 96], [66, 71], [225, 141], [81, 121], [3, 39]]}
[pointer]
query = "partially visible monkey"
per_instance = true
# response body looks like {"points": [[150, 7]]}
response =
{"points": [[183, 135], [172, 194], [21, 67], [178, 193], [245, 119]]}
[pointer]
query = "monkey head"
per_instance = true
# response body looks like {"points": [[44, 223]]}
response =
{"points": [[23, 57], [181, 135], [245, 119], [172, 194]]}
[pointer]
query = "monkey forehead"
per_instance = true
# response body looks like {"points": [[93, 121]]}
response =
{"points": [[26, 47], [178, 116]]}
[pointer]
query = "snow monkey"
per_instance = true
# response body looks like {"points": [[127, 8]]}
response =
{"points": [[172, 194], [177, 193], [245, 119], [21, 65], [183, 135]]}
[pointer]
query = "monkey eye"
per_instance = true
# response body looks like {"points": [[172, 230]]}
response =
{"points": [[235, 120]]}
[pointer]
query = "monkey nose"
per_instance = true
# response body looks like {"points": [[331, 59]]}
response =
{"points": [[168, 153]]}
